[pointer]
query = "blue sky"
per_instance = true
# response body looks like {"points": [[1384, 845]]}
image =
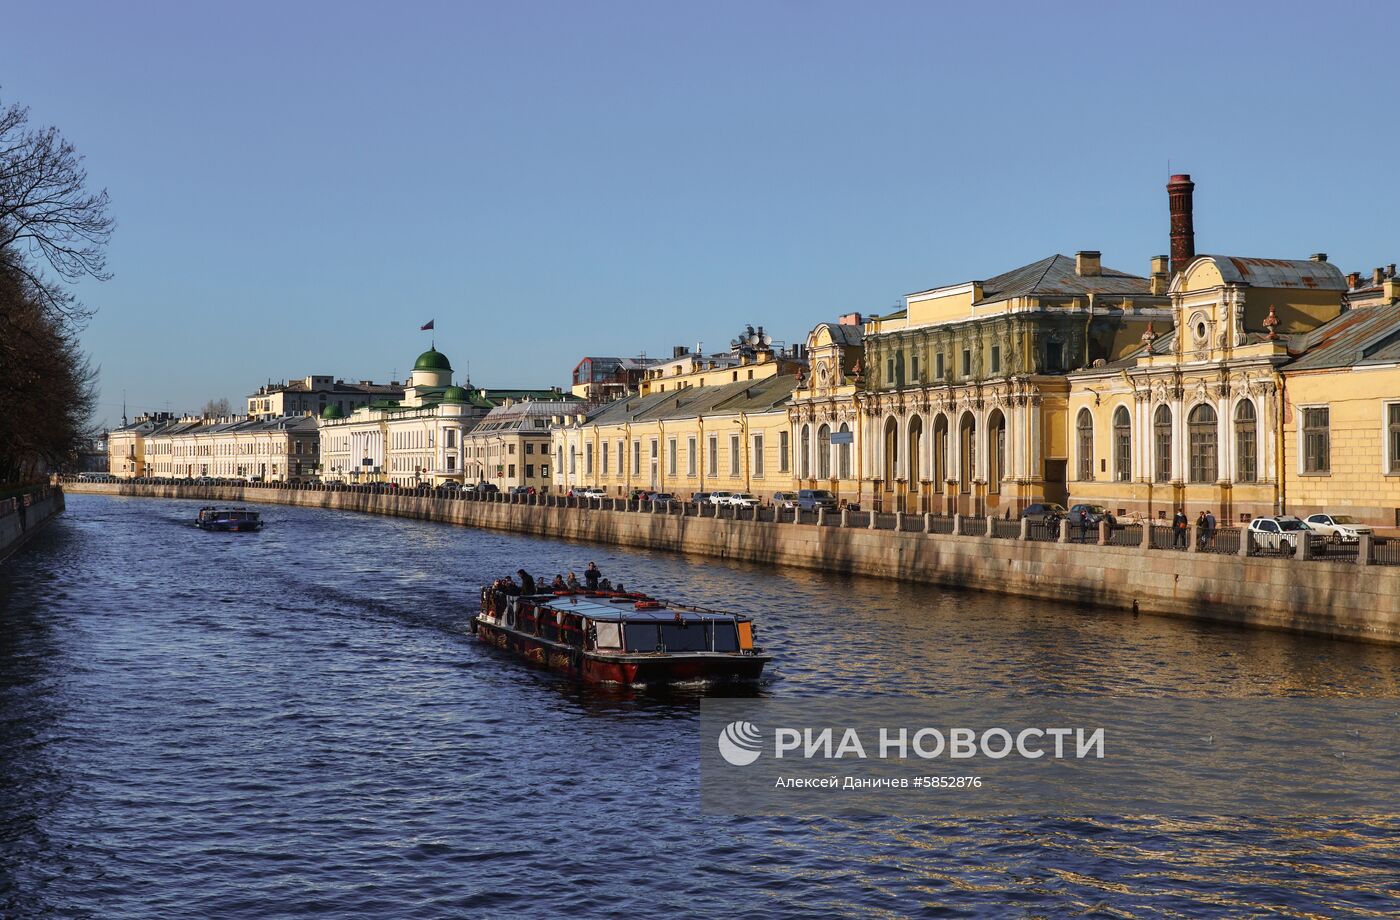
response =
{"points": [[299, 186]]}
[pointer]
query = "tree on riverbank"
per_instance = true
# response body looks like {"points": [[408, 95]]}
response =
{"points": [[49, 222]]}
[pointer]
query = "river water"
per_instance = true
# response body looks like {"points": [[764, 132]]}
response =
{"points": [[296, 723]]}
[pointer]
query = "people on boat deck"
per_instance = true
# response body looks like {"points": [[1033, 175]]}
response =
{"points": [[591, 576], [558, 583], [573, 582], [620, 589], [527, 582], [605, 585]]}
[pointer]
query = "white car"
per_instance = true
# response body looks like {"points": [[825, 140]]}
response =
{"points": [[720, 498], [1278, 534], [785, 500], [590, 492], [1339, 528], [743, 500]]}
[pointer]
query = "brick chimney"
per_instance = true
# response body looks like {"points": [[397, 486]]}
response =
{"points": [[1087, 263], [1179, 191], [1377, 276]]}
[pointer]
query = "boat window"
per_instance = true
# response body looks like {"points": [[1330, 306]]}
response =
{"points": [[609, 635], [726, 639], [684, 637], [641, 637]]}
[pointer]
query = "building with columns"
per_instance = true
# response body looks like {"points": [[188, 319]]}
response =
{"points": [[1192, 418], [419, 439], [963, 393], [825, 413], [510, 446]]}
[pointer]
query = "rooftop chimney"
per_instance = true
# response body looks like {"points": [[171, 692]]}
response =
{"points": [[849, 319], [1161, 275], [1086, 263], [1353, 281], [1318, 257], [679, 351], [1179, 191], [1377, 276]]}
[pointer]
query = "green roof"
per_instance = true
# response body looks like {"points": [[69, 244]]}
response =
{"points": [[454, 394], [332, 411], [432, 360]]}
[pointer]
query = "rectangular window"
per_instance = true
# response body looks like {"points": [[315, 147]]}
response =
{"points": [[451, 463], [512, 471], [1054, 357], [889, 370], [621, 463], [588, 460], [1393, 438], [938, 366], [451, 438], [758, 456], [783, 451], [967, 363], [671, 451], [713, 464], [529, 447], [914, 368], [1317, 447], [605, 459], [996, 359], [573, 463], [529, 471], [636, 458], [691, 459], [733, 455]]}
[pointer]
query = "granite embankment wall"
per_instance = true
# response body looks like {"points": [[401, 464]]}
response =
{"points": [[1327, 598], [21, 516]]}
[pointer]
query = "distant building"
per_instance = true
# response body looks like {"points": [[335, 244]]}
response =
{"points": [[509, 446], [752, 356], [604, 379], [126, 445], [419, 439], [314, 394]]}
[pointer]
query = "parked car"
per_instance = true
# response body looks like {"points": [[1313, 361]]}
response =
{"points": [[206, 481], [590, 492], [486, 487], [785, 500], [743, 500], [521, 490], [1045, 512], [720, 498], [700, 498], [660, 498], [1278, 534], [812, 499], [1338, 528], [1094, 513], [450, 485]]}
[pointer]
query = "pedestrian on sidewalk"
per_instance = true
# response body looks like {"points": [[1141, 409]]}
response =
{"points": [[1179, 525]]}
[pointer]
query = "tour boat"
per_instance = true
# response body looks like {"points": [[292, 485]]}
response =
{"points": [[228, 519], [607, 638]]}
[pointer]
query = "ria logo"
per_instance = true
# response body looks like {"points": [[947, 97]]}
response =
{"points": [[740, 743]]}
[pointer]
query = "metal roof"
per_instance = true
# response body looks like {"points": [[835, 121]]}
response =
{"points": [[727, 399], [1302, 274], [1357, 337], [1055, 276]]}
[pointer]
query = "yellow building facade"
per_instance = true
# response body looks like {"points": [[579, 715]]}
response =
{"points": [[1194, 419], [825, 411], [734, 437]]}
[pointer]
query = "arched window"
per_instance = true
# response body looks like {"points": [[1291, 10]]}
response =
{"points": [[824, 452], [891, 452], [940, 452], [806, 439], [1085, 429], [1246, 443], [1122, 445], [996, 451], [843, 455], [1162, 443], [916, 445], [1200, 429], [967, 448]]}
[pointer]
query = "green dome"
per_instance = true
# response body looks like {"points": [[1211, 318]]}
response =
{"points": [[332, 411], [454, 394], [432, 360]]}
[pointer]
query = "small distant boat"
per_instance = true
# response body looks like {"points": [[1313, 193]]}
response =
{"points": [[602, 637], [228, 519]]}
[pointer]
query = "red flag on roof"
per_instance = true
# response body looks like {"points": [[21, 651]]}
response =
{"points": [[426, 326]]}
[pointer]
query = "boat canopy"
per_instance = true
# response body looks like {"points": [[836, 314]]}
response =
{"points": [[602, 610]]}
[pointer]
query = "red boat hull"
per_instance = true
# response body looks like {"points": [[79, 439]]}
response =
{"points": [[593, 668]]}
